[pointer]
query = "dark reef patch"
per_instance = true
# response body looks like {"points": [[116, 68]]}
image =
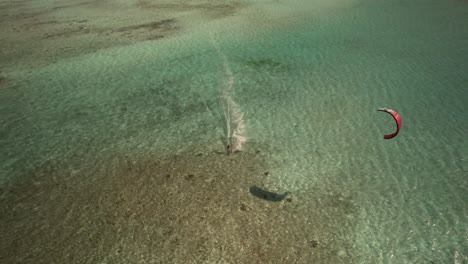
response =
{"points": [[156, 25], [213, 10]]}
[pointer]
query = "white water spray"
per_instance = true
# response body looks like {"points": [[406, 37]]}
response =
{"points": [[235, 127]]}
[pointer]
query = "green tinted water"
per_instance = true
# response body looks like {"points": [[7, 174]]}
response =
{"points": [[309, 89]]}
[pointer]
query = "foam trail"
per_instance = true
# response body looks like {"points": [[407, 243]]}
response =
{"points": [[235, 127]]}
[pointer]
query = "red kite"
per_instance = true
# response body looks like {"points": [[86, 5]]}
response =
{"points": [[397, 118]]}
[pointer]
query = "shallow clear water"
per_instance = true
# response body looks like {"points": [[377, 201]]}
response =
{"points": [[308, 88]]}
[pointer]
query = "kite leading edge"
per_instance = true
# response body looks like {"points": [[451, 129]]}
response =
{"points": [[397, 118]]}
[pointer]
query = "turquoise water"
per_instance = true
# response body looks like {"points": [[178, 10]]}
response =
{"points": [[308, 88]]}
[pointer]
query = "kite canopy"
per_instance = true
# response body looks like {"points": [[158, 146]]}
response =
{"points": [[397, 118]]}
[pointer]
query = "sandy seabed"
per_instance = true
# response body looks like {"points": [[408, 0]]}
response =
{"points": [[191, 208]]}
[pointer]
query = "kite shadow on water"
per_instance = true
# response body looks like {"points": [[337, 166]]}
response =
{"points": [[266, 195]]}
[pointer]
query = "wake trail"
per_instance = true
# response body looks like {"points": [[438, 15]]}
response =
{"points": [[234, 117]]}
